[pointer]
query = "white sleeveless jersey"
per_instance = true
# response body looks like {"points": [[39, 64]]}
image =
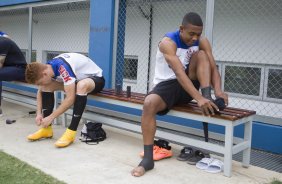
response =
{"points": [[163, 72]]}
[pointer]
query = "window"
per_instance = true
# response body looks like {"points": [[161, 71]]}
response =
{"points": [[274, 87], [242, 80], [51, 54], [33, 55], [130, 67]]}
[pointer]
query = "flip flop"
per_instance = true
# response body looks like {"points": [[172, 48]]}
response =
{"points": [[215, 166], [185, 154], [204, 163]]}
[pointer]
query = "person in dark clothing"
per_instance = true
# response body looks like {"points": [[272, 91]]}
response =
{"points": [[12, 62]]}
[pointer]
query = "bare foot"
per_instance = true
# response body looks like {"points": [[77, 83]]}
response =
{"points": [[138, 171]]}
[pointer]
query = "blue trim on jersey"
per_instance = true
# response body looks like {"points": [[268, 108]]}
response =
{"points": [[2, 33], [56, 63], [175, 36]]}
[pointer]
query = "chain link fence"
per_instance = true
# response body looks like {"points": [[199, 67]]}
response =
{"points": [[247, 42], [146, 22], [247, 45], [15, 23], [61, 28], [56, 28]]}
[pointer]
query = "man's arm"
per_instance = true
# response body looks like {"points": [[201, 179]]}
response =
{"points": [[215, 76], [168, 48]]}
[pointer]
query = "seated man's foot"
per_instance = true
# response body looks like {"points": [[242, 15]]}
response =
{"points": [[138, 171], [67, 138], [219, 102], [41, 133], [145, 165]]}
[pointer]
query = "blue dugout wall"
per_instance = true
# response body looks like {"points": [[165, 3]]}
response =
{"points": [[265, 137]]}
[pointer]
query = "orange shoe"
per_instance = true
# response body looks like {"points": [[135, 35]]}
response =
{"points": [[162, 153], [159, 153]]}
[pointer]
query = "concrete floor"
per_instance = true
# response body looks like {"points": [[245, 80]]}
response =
{"points": [[108, 162]]}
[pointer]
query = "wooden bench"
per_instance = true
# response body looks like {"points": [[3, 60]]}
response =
{"points": [[229, 118]]}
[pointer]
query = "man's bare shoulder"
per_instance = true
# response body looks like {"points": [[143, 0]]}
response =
{"points": [[167, 45]]}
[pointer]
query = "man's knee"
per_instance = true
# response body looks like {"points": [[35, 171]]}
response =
{"points": [[151, 105], [82, 87], [202, 55]]}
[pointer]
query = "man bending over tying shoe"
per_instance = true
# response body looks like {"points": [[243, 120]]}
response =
{"points": [[73, 73], [184, 63]]}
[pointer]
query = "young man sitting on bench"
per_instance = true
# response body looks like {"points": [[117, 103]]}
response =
{"points": [[75, 74], [184, 63]]}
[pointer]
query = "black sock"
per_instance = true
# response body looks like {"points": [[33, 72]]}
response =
{"points": [[0, 93], [206, 92], [48, 101], [147, 162], [78, 108]]}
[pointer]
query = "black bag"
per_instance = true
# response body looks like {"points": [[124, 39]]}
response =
{"points": [[92, 133]]}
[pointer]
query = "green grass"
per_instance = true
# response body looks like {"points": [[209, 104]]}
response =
{"points": [[275, 181], [14, 171]]}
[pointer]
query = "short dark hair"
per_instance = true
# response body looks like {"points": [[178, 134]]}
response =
{"points": [[192, 18]]}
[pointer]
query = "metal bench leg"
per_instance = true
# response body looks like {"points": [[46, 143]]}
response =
{"points": [[56, 106], [228, 150], [206, 131], [64, 116], [247, 137]]}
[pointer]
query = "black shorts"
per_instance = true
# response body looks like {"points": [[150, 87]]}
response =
{"points": [[172, 93], [99, 84]]}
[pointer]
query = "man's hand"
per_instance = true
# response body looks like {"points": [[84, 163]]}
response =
{"points": [[38, 119], [223, 95], [207, 106], [47, 121]]}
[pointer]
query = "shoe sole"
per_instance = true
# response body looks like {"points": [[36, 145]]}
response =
{"points": [[163, 158], [32, 140], [64, 146]]}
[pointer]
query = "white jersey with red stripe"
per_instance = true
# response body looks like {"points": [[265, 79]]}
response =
{"points": [[71, 67]]}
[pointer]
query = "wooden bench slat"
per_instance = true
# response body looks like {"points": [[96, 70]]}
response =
{"points": [[229, 113]]}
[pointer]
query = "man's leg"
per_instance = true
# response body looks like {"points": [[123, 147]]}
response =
{"points": [[47, 101], [200, 69], [83, 87], [10, 74], [152, 105]]}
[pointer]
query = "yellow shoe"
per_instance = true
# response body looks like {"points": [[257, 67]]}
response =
{"points": [[41, 133], [67, 138]]}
